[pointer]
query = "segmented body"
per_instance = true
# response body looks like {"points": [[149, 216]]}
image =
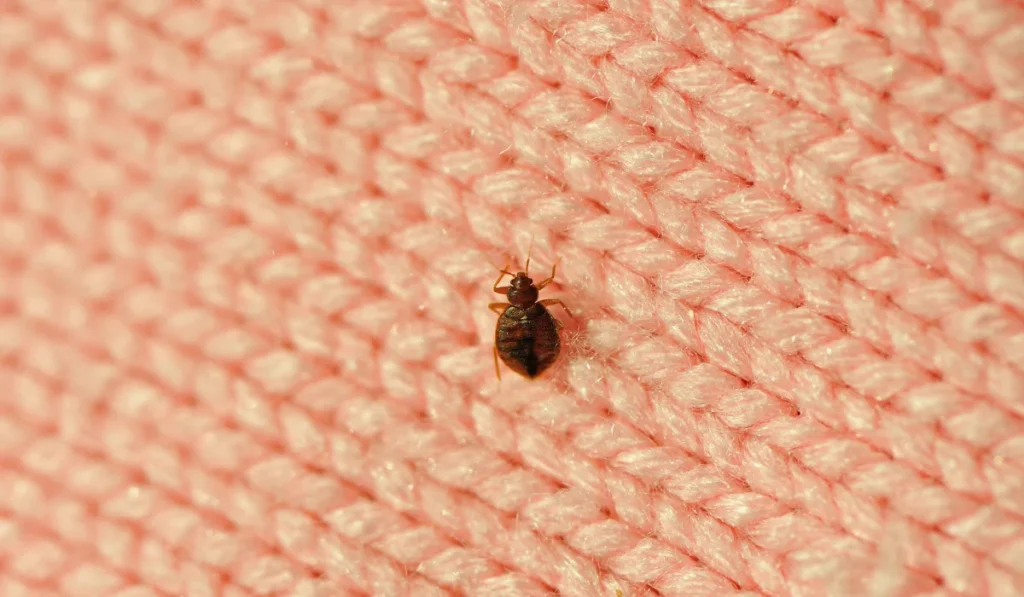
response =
{"points": [[527, 339]]}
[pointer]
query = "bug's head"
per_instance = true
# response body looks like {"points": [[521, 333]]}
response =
{"points": [[521, 291]]}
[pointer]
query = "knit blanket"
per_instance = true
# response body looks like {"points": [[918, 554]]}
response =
{"points": [[247, 262]]}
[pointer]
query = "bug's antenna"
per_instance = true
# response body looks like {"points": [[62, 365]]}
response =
{"points": [[528, 253]]}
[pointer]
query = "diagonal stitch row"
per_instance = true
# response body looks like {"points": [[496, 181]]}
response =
{"points": [[449, 59], [42, 565], [791, 66], [97, 572], [474, 57], [650, 162], [956, 48], [100, 327], [158, 526], [405, 95], [951, 305], [263, 477], [387, 488], [159, 465], [91, 503]]}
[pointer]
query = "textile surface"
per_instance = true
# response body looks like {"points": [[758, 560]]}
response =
{"points": [[247, 249]]}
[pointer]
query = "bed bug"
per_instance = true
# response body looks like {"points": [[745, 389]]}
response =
{"points": [[526, 337]]}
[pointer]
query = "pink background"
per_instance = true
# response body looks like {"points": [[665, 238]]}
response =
{"points": [[246, 251]]}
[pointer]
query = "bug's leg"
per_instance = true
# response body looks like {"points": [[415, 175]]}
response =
{"points": [[497, 370], [502, 289], [544, 283], [498, 308], [558, 302]]}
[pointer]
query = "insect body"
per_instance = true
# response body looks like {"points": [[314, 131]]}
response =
{"points": [[527, 336]]}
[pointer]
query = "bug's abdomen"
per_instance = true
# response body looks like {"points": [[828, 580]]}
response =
{"points": [[527, 340]]}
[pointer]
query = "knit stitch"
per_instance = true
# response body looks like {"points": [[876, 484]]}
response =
{"points": [[247, 247]]}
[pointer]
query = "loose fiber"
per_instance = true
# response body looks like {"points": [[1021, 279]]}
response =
{"points": [[246, 250]]}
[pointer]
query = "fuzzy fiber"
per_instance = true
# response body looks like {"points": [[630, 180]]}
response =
{"points": [[246, 256]]}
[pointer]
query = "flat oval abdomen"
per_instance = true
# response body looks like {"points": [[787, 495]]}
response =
{"points": [[527, 339]]}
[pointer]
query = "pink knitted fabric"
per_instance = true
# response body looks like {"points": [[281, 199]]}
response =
{"points": [[246, 256]]}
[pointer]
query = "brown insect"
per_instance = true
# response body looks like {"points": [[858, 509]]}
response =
{"points": [[527, 336]]}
